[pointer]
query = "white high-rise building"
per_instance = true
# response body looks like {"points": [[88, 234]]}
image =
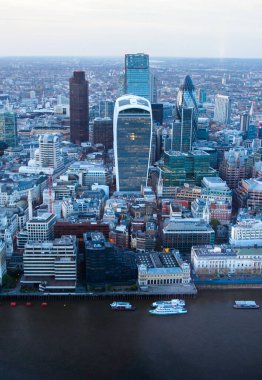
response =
{"points": [[222, 109], [49, 151], [132, 142]]}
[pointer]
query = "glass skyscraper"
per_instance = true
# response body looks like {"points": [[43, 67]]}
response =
{"points": [[132, 142], [185, 126], [8, 128], [137, 75]]}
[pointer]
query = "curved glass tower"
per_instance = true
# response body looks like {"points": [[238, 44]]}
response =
{"points": [[185, 127], [132, 142]]}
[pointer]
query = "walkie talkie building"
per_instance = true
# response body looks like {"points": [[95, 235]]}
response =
{"points": [[132, 142]]}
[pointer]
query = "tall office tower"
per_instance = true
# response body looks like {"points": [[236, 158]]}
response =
{"points": [[106, 108], [132, 142], [138, 80], [201, 95], [103, 132], [79, 108], [49, 151], [185, 127], [244, 121], [222, 109], [8, 128]]}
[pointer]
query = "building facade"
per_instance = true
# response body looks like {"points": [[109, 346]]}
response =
{"points": [[222, 109], [79, 107], [52, 263], [8, 128], [132, 142], [137, 75]]}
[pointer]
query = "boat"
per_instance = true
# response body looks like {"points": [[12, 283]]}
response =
{"points": [[168, 310], [13, 304], [44, 304], [245, 305], [122, 306], [28, 304], [174, 302]]}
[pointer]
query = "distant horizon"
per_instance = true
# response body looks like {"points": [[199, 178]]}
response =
{"points": [[122, 56]]}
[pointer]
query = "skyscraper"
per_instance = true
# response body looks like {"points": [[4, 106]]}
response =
{"points": [[185, 125], [79, 107], [222, 109], [8, 128], [103, 132], [49, 151], [138, 80], [132, 141]]}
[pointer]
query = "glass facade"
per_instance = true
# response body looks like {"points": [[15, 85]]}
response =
{"points": [[137, 75], [8, 128], [187, 114], [133, 148]]}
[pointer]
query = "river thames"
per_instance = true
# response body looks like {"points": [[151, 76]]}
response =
{"points": [[86, 340]]}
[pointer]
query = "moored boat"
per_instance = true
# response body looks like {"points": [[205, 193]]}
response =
{"points": [[13, 304], [245, 305], [28, 304], [173, 302], [122, 306], [168, 310], [44, 304]]}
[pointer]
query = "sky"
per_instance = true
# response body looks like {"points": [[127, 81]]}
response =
{"points": [[171, 28]]}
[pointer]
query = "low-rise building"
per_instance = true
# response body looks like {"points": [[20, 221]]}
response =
{"points": [[162, 269], [213, 261]]}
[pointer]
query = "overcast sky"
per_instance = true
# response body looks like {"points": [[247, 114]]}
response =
{"points": [[175, 28]]}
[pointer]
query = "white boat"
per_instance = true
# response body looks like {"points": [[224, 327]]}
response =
{"points": [[122, 306], [168, 310], [245, 305], [173, 302]]}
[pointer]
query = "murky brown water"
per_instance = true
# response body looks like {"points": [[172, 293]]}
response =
{"points": [[86, 340]]}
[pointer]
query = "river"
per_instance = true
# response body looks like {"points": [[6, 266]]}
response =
{"points": [[86, 340]]}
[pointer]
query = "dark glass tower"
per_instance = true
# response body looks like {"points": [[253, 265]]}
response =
{"points": [[79, 108], [132, 142], [185, 126]]}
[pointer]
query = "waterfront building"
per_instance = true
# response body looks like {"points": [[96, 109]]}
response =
{"points": [[79, 107], [103, 132], [8, 128], [132, 142], [222, 109], [41, 228], [53, 264], [161, 270], [49, 152], [137, 75], [181, 234], [214, 260], [106, 264]]}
